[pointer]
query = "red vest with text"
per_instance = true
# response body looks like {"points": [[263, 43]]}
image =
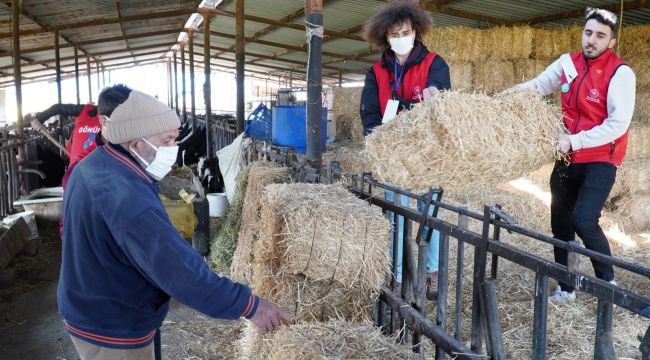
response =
{"points": [[584, 106], [415, 76], [85, 130]]}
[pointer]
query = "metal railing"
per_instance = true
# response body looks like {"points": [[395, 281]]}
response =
{"points": [[407, 311]]}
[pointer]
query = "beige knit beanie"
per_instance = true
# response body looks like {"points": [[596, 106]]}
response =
{"points": [[140, 116]]}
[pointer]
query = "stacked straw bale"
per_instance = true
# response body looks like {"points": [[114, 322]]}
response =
{"points": [[632, 177], [461, 141], [638, 144], [351, 156], [334, 339], [641, 67], [635, 42], [261, 174], [642, 108], [494, 76], [345, 110], [321, 253], [461, 75]]}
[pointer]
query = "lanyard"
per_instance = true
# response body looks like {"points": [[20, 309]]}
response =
{"points": [[398, 80]]}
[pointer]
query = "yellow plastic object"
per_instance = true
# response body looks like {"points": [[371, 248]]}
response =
{"points": [[181, 215]]}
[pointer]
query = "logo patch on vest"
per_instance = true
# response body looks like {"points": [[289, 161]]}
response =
{"points": [[593, 96], [564, 88]]}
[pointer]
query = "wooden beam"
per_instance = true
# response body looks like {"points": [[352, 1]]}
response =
{"points": [[165, 45], [439, 8], [290, 25], [100, 41], [628, 5], [104, 21], [291, 16], [119, 16], [291, 47]]}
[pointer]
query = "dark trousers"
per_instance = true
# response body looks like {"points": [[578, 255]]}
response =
{"points": [[579, 192]]}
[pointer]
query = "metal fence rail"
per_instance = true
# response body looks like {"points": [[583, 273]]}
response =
{"points": [[407, 309]]}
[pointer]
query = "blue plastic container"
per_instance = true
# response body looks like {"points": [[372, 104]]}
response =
{"points": [[289, 127], [258, 124]]}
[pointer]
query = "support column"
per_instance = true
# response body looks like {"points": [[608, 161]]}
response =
{"points": [[90, 88], [207, 95], [240, 58], [340, 78], [176, 80], [57, 59], [314, 16], [15, 30], [190, 36], [183, 82], [99, 87], [170, 91], [76, 74]]}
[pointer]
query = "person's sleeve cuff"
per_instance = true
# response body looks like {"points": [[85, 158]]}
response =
{"points": [[576, 144], [253, 302]]}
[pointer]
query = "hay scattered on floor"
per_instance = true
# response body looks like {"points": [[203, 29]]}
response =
{"points": [[352, 157], [224, 243], [330, 340], [460, 141], [345, 111], [321, 253], [261, 174], [638, 144]]}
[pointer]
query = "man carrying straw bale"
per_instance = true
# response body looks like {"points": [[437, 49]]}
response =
{"points": [[407, 73], [598, 92], [122, 257]]}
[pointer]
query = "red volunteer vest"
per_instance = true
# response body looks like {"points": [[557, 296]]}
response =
{"points": [[415, 76], [585, 106], [83, 135]]}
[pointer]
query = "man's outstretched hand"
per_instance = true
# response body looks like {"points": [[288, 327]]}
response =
{"points": [[268, 316]]}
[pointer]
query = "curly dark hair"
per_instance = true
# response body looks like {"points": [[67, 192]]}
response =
{"points": [[396, 13]]}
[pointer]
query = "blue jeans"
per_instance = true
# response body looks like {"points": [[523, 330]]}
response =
{"points": [[432, 256]]}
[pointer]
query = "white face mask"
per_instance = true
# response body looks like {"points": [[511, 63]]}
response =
{"points": [[162, 162], [402, 45]]}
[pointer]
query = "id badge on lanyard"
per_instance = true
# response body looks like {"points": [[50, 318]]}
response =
{"points": [[392, 106]]}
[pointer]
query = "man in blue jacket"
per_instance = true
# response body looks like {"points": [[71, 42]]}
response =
{"points": [[122, 258]]}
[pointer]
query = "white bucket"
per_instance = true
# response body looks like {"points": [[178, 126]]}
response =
{"points": [[218, 204]]}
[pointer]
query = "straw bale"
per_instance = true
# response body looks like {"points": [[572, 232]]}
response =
{"points": [[566, 40], [352, 157], [638, 145], [543, 43], [494, 76], [631, 177], [457, 44], [329, 340], [345, 110], [442, 40], [462, 141], [500, 38], [321, 252], [522, 42], [634, 212], [261, 174], [635, 42], [642, 108], [462, 75], [528, 69], [641, 68]]}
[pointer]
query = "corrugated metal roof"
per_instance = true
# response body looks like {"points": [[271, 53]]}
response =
{"points": [[272, 47]]}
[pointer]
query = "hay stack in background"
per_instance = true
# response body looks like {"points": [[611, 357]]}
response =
{"points": [[462, 75], [632, 177], [641, 68], [638, 145], [509, 43], [635, 42], [494, 76], [457, 44], [261, 174], [352, 157], [543, 43], [460, 141], [642, 108], [321, 252], [329, 340], [528, 69], [345, 110]]}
